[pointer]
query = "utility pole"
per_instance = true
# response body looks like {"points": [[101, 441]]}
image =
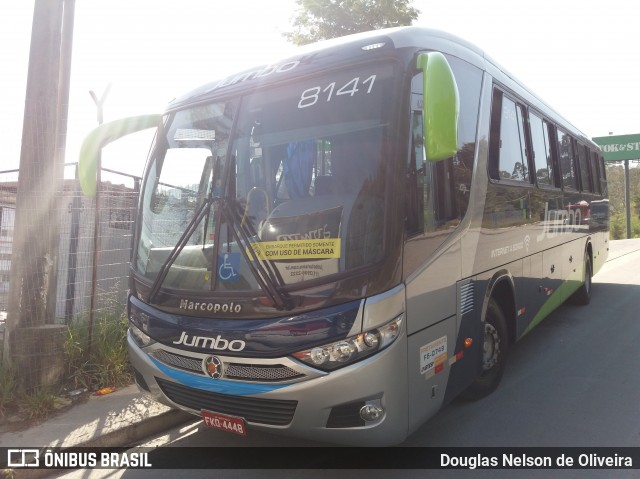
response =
{"points": [[33, 342]]}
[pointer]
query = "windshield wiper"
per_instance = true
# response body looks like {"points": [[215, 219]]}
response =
{"points": [[268, 277], [203, 210], [265, 273]]}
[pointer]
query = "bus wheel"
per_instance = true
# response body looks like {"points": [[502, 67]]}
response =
{"points": [[582, 296], [494, 353]]}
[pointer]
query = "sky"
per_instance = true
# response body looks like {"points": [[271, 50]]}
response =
{"points": [[579, 56]]}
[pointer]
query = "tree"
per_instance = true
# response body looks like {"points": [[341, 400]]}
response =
{"points": [[323, 19], [616, 188]]}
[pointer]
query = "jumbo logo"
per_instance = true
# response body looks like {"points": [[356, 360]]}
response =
{"points": [[218, 343], [558, 222]]}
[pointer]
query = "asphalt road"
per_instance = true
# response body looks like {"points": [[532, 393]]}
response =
{"points": [[572, 382]]}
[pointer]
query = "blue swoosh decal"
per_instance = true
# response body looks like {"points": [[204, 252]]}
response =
{"points": [[234, 388]]}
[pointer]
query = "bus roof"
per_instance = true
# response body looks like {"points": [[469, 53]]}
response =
{"points": [[350, 49], [328, 54]]}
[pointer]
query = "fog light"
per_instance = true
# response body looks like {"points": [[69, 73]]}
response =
{"points": [[370, 412]]}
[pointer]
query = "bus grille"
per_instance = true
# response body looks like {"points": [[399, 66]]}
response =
{"points": [[177, 361], [237, 371], [275, 412], [253, 372]]}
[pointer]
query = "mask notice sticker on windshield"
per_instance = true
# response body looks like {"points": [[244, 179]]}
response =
{"points": [[304, 246], [298, 271], [297, 249]]}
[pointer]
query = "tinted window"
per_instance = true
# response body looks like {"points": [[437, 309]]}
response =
{"points": [[603, 174], [566, 160], [585, 174], [541, 150], [438, 192], [595, 168], [510, 148]]}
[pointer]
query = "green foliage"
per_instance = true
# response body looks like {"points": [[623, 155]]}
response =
{"points": [[618, 227], [33, 405], [37, 404], [75, 354], [7, 386], [616, 188], [106, 363], [324, 19]]}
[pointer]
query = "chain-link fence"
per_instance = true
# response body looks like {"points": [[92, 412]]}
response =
{"points": [[8, 189], [92, 261]]}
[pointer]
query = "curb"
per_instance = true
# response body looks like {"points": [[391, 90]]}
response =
{"points": [[126, 436], [135, 432]]}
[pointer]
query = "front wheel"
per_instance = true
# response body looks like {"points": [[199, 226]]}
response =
{"points": [[494, 353]]}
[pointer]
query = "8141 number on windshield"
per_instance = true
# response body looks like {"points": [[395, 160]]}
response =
{"points": [[312, 95]]}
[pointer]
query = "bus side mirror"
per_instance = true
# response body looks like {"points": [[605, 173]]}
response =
{"points": [[102, 136], [441, 106]]}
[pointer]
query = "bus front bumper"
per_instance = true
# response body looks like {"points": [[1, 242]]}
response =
{"points": [[322, 408]]}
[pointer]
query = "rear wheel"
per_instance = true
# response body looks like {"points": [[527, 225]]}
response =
{"points": [[582, 296], [494, 353]]}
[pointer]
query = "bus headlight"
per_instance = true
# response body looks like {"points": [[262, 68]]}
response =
{"points": [[139, 325], [349, 350], [142, 339]]}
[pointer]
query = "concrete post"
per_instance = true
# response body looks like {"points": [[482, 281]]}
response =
{"points": [[40, 186]]}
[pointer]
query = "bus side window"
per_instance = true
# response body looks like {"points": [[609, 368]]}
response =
{"points": [[415, 199], [507, 144], [445, 205], [541, 150], [431, 200], [567, 160], [603, 174], [595, 168], [583, 163], [438, 193]]}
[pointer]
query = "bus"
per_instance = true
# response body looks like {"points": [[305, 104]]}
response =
{"points": [[336, 245]]}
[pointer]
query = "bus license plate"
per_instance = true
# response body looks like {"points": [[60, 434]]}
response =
{"points": [[223, 422]]}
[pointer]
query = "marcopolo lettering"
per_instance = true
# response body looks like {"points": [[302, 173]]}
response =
{"points": [[210, 307], [218, 343]]}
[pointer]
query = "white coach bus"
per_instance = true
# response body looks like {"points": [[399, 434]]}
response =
{"points": [[336, 245]]}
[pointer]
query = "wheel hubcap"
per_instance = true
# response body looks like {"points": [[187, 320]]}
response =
{"points": [[491, 347]]}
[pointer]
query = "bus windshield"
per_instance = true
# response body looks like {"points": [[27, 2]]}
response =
{"points": [[287, 182]]}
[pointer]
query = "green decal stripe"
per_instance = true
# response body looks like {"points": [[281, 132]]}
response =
{"points": [[101, 136], [556, 299]]}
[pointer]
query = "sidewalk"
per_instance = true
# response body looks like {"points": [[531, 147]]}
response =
{"points": [[114, 420], [620, 248]]}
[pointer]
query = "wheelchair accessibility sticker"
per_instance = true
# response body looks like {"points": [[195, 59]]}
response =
{"points": [[229, 266]]}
